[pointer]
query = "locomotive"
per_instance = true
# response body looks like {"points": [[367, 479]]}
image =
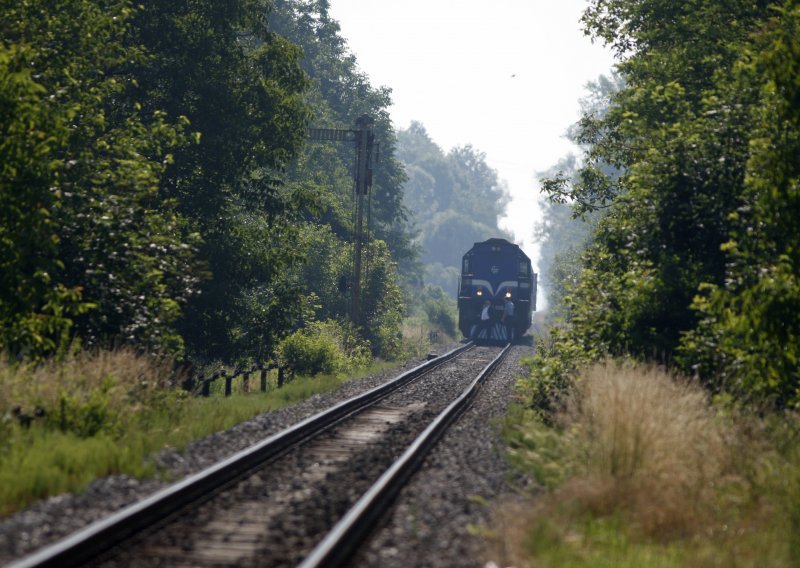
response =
{"points": [[494, 273]]}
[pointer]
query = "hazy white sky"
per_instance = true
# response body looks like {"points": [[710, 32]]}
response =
{"points": [[504, 76]]}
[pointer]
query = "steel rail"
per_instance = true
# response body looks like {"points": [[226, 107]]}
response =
{"points": [[345, 537], [102, 535]]}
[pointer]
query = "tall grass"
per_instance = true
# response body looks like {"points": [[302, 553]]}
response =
{"points": [[62, 425], [642, 470], [651, 445]]}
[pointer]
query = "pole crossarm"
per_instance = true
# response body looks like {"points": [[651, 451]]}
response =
{"points": [[333, 134]]}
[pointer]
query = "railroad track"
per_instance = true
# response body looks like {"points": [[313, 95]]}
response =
{"points": [[321, 473]]}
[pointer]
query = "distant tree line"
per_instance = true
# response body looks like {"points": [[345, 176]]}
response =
{"points": [[691, 176], [156, 187], [456, 199]]}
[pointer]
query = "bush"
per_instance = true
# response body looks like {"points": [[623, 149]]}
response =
{"points": [[558, 360], [440, 309], [324, 347], [311, 354], [641, 470]]}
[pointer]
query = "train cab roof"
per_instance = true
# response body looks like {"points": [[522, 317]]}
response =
{"points": [[494, 245]]}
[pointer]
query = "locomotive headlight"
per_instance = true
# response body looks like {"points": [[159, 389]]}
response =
{"points": [[479, 292], [508, 294]]}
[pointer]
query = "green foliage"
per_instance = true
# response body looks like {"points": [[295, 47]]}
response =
{"points": [[88, 244], [241, 88], [694, 261], [566, 226], [440, 309], [328, 264], [339, 93], [326, 347], [748, 340], [559, 357], [154, 188], [382, 302], [328, 261], [546, 453], [456, 198], [309, 353]]}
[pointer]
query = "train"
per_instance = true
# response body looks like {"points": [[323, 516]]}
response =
{"points": [[495, 273]]}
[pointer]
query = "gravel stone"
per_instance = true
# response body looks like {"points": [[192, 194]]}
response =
{"points": [[432, 518], [436, 515]]}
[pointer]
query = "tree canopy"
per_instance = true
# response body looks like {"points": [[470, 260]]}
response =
{"points": [[157, 187], [693, 262], [456, 199]]}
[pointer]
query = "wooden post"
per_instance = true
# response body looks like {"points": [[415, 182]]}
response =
{"points": [[246, 382], [264, 380], [228, 383]]}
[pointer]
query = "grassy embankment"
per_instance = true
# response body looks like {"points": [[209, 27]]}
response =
{"points": [[103, 414], [640, 470]]}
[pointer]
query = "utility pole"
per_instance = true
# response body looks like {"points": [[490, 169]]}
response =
{"points": [[364, 139]]}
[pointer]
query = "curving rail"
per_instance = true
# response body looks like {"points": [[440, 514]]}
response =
{"points": [[104, 534]]}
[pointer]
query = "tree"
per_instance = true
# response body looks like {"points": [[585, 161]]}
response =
{"points": [[241, 88], [456, 199], [567, 224], [678, 151], [89, 245], [695, 261], [748, 340], [339, 93]]}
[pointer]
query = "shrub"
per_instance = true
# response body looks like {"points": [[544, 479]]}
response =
{"points": [[651, 445], [326, 347], [553, 369], [311, 353], [642, 471], [440, 309]]}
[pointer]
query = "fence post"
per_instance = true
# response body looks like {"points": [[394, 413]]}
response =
{"points": [[228, 382], [264, 380], [280, 376], [206, 386], [246, 382]]}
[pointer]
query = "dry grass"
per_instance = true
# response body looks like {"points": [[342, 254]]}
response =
{"points": [[643, 471], [118, 374], [104, 413], [417, 339], [651, 446]]}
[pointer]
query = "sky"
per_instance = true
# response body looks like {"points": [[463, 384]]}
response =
{"points": [[505, 76]]}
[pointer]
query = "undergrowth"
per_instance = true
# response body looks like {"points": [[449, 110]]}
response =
{"points": [[641, 469], [64, 424]]}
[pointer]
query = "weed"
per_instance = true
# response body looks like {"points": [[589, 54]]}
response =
{"points": [[643, 471], [104, 413]]}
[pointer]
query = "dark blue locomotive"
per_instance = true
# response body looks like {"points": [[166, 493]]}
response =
{"points": [[494, 273]]}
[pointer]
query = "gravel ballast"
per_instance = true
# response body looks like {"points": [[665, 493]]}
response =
{"points": [[439, 516], [453, 497]]}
